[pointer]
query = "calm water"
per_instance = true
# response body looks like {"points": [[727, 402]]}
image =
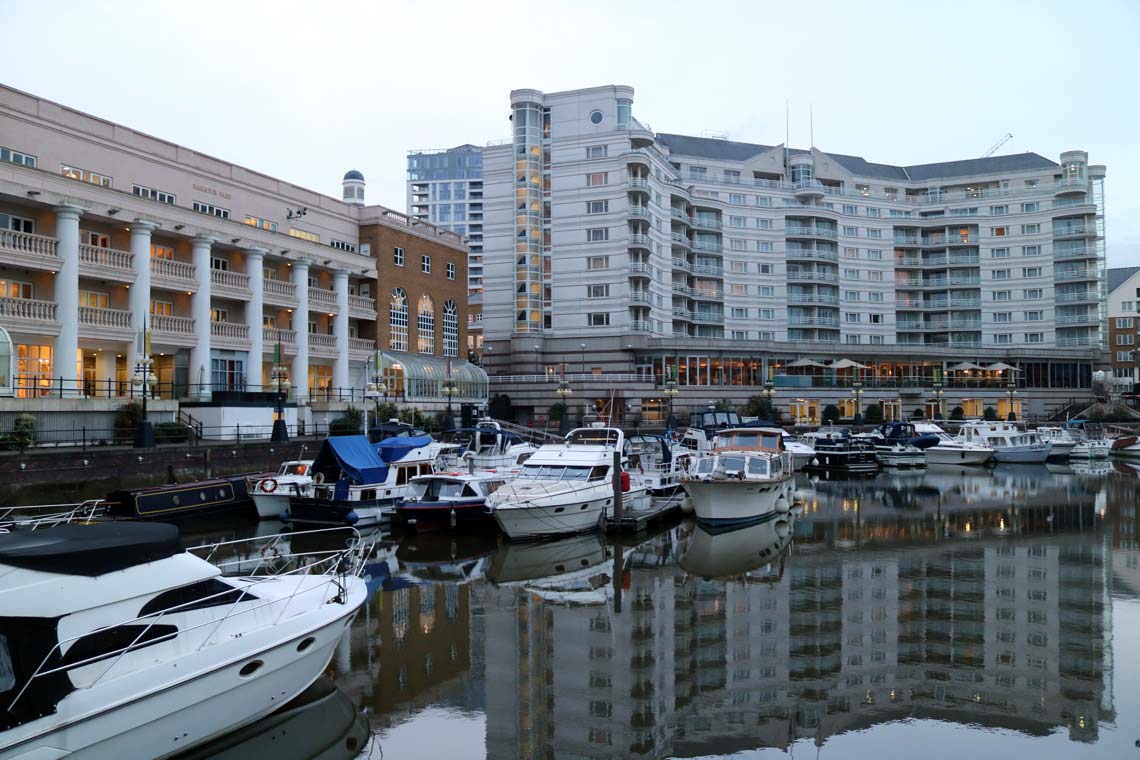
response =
{"points": [[951, 613]]}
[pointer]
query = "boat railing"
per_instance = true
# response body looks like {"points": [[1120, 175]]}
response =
{"points": [[48, 515], [335, 566]]}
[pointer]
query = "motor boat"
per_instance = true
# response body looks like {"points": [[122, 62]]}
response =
{"points": [[747, 478], [1090, 441], [660, 463], [710, 553], [174, 501], [839, 452], [357, 482], [271, 495], [899, 445], [1009, 442], [451, 500], [118, 642], [1062, 440], [568, 487], [36, 516], [487, 446], [950, 450], [802, 454], [704, 426]]}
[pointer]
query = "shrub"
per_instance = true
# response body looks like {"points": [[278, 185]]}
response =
{"points": [[830, 414], [989, 414], [873, 414], [171, 432], [758, 406], [126, 422], [557, 411], [500, 407], [23, 435], [956, 414], [351, 422], [919, 414]]}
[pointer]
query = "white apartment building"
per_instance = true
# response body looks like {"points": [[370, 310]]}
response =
{"points": [[716, 262], [105, 231]]}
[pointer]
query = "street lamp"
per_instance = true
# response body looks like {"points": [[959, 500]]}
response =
{"points": [[671, 390], [145, 379], [374, 389], [583, 363], [938, 393], [564, 392], [1011, 390], [450, 389], [279, 378], [857, 392]]}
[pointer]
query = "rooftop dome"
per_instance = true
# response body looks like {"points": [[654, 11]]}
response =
{"points": [[353, 174]]}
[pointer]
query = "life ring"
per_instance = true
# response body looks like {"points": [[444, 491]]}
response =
{"points": [[319, 478], [269, 485], [302, 469]]}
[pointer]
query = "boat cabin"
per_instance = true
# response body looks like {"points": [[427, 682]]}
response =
{"points": [[750, 439]]}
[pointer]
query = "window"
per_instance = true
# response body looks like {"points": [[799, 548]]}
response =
{"points": [[83, 175], [764, 246], [1034, 316], [1000, 253], [155, 195], [999, 231], [1030, 229], [597, 291], [1029, 208], [93, 299], [219, 315], [1030, 250], [1124, 322], [1000, 274], [450, 271], [1121, 340], [398, 256], [220, 264], [739, 267], [736, 199], [598, 262], [1031, 272], [767, 313], [1034, 337], [851, 231], [594, 152], [398, 320], [1001, 295], [425, 264], [739, 312], [17, 224], [876, 340], [340, 245], [732, 176], [875, 254], [852, 317], [312, 237], [999, 210], [875, 275], [737, 221], [1003, 339], [1124, 356], [598, 319], [765, 291], [17, 157], [597, 179], [1032, 294], [874, 234], [875, 319], [738, 290], [1128, 305], [698, 172], [1002, 316], [211, 210], [873, 212], [851, 274], [425, 325], [738, 245], [161, 308], [850, 253], [227, 374], [850, 209], [598, 235], [765, 269], [597, 207], [875, 297], [252, 221], [851, 295]]}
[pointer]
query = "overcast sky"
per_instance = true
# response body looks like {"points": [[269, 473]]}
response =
{"points": [[305, 91]]}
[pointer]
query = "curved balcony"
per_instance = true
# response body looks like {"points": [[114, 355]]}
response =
{"points": [[638, 269], [708, 247], [708, 317], [639, 211], [810, 231], [1073, 231], [1076, 297], [704, 221], [706, 294], [804, 275], [683, 314], [681, 289], [681, 240], [1075, 274], [679, 215], [682, 264], [810, 190], [637, 183], [813, 298], [1070, 186], [639, 296], [640, 135]]}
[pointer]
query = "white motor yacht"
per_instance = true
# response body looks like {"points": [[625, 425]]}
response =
{"points": [[1062, 440], [568, 487], [486, 447], [802, 454], [116, 642], [271, 495], [660, 463], [747, 478], [1009, 442], [951, 450]]}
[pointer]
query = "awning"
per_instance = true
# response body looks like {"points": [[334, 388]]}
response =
{"points": [[804, 363], [424, 376], [354, 455], [848, 364], [999, 367], [963, 366]]}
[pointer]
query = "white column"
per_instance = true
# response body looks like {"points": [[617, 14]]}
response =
{"points": [[299, 375], [200, 311], [66, 293], [254, 311], [140, 263], [340, 327]]}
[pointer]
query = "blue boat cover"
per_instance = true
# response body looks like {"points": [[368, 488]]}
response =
{"points": [[394, 449], [356, 456]]}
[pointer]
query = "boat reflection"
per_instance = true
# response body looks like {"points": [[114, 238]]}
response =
{"points": [[718, 554], [578, 569], [321, 722]]}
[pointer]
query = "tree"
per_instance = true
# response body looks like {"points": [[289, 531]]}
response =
{"points": [[724, 405], [557, 411], [127, 420], [501, 408], [762, 408], [919, 414], [23, 434], [873, 414], [830, 414], [956, 414], [989, 414]]}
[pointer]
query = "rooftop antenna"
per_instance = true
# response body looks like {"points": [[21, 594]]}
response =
{"points": [[787, 135], [994, 149], [811, 125]]}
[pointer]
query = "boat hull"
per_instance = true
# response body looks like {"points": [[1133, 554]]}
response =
{"points": [[434, 517], [1062, 449], [363, 513], [183, 499], [1091, 450], [726, 502], [939, 455], [201, 696], [849, 463], [1034, 454]]}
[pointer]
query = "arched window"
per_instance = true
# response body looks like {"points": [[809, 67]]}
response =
{"points": [[398, 321], [450, 329], [425, 325]]}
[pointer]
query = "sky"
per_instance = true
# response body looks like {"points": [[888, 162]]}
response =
{"points": [[304, 91]]}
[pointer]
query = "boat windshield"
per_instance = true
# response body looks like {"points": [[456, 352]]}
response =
{"points": [[446, 489], [706, 466], [751, 440], [758, 466], [732, 463], [294, 468], [593, 437], [558, 472]]}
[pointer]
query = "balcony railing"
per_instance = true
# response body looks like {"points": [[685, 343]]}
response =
{"points": [[682, 264], [226, 279], [322, 296], [709, 222], [639, 241], [639, 296], [812, 298], [637, 267], [680, 288], [1073, 229], [1076, 319], [700, 316], [808, 253], [106, 257], [638, 210], [813, 322], [708, 269], [361, 303], [318, 340], [680, 215], [640, 325], [1076, 341], [680, 239], [275, 335], [27, 309], [175, 270], [637, 183], [811, 276], [172, 325], [229, 330], [796, 230], [1075, 274], [705, 245], [112, 318], [1077, 296], [707, 294], [280, 289], [22, 242], [361, 345]]}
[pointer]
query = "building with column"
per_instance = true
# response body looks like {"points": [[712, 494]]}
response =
{"points": [[105, 231], [717, 263], [445, 188]]}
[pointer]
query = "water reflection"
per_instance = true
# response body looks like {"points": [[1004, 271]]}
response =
{"points": [[972, 598]]}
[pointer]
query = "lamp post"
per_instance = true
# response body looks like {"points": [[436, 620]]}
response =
{"points": [[564, 392], [145, 379], [374, 389], [671, 390], [938, 393], [857, 392], [279, 378], [582, 365], [1011, 390], [450, 389]]}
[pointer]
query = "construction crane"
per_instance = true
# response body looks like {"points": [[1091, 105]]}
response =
{"points": [[1008, 136]]}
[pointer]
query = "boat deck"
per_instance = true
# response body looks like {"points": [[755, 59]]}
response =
{"points": [[661, 507]]}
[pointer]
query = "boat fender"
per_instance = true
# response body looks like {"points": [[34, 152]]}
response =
{"points": [[782, 505], [269, 485], [452, 517], [283, 516], [351, 518], [624, 481], [319, 478]]}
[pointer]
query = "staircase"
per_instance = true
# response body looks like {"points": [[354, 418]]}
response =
{"points": [[530, 435]]}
